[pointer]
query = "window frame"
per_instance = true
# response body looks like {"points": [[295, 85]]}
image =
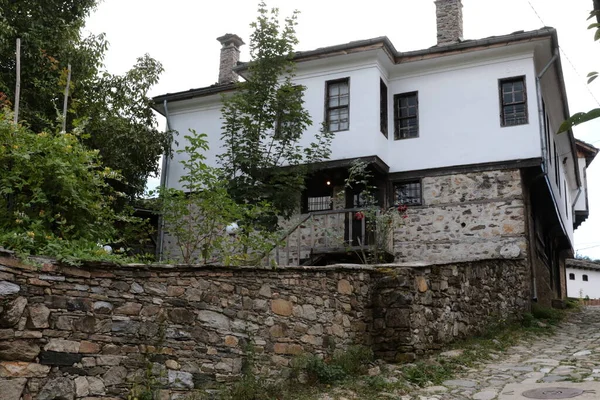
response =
{"points": [[501, 98], [383, 108], [397, 117], [328, 108], [396, 200]]}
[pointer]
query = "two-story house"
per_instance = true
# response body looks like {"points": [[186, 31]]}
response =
{"points": [[463, 133]]}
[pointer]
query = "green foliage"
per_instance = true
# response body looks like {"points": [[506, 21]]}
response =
{"points": [[343, 364], [198, 215], [114, 110], [379, 221], [263, 122], [52, 188], [547, 314], [581, 117], [54, 196]]}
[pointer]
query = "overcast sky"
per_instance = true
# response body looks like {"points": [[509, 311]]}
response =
{"points": [[182, 35]]}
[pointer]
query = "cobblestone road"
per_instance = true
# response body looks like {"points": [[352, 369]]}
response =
{"points": [[572, 354]]}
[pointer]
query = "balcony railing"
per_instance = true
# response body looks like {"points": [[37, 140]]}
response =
{"points": [[332, 232]]}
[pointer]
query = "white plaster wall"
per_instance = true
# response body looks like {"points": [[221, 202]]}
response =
{"points": [[206, 119], [459, 117], [579, 288]]}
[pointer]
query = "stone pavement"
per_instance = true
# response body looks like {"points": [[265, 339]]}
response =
{"points": [[570, 358]]}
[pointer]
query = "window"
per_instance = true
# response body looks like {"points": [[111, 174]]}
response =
{"points": [[547, 131], [406, 116], [383, 108], [514, 101], [556, 168], [337, 105], [585, 278], [408, 193], [319, 203], [571, 277]]}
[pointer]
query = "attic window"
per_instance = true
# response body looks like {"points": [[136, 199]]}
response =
{"points": [[585, 278], [513, 100], [571, 277]]}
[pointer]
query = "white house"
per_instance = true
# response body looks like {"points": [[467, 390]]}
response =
{"points": [[583, 279], [463, 132]]}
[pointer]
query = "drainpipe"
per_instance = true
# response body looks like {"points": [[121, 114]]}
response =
{"points": [[164, 180], [544, 144]]}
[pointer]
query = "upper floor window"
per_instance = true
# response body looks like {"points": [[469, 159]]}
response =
{"points": [[406, 116], [572, 277], [513, 99], [585, 278], [383, 108], [337, 105], [408, 193]]}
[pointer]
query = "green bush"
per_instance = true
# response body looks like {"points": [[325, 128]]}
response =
{"points": [[55, 198], [547, 314]]}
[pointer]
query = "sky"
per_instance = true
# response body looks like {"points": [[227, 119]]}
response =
{"points": [[182, 35]]}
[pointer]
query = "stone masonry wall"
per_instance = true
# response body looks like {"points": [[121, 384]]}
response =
{"points": [[465, 217], [91, 332]]}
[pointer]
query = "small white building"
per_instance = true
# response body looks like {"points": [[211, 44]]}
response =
{"points": [[583, 279], [463, 132]]}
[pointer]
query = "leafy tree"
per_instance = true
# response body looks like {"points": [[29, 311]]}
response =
{"points": [[197, 216], [264, 121], [113, 109], [58, 189]]}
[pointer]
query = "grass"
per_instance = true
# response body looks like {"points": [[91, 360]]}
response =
{"points": [[345, 374]]}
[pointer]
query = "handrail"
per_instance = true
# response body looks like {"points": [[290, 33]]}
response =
{"points": [[296, 249]]}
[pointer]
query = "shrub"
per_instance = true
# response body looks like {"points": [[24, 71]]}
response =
{"points": [[54, 193]]}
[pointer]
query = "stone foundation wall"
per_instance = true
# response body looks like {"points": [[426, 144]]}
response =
{"points": [[93, 331], [465, 217]]}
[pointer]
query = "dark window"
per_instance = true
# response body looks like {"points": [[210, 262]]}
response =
{"points": [[383, 108], [406, 116], [513, 98], [547, 132], [556, 168], [585, 278], [319, 203], [572, 277], [337, 105], [408, 193]]}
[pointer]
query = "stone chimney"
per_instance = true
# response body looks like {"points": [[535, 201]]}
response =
{"points": [[230, 55], [449, 21]]}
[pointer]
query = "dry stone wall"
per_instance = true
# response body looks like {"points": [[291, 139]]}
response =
{"points": [[91, 332], [465, 217]]}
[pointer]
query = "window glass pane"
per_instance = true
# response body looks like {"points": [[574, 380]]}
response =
{"points": [[408, 193], [343, 100], [343, 88], [334, 90], [343, 125], [334, 101], [518, 96], [507, 87], [507, 98], [319, 203], [334, 126]]}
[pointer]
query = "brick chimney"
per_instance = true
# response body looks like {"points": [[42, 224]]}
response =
{"points": [[230, 55], [449, 21]]}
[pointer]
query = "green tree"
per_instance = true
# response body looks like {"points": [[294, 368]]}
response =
{"points": [[264, 121], [114, 109], [58, 190]]}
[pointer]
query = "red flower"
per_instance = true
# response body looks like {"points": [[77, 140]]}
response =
{"points": [[359, 215], [405, 216], [402, 208]]}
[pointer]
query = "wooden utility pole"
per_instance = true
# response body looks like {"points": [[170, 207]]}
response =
{"points": [[18, 86], [64, 119]]}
